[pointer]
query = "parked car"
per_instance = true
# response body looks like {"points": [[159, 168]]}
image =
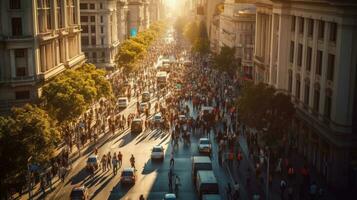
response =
{"points": [[158, 152], [204, 145], [123, 102], [92, 162], [79, 193], [128, 176]]}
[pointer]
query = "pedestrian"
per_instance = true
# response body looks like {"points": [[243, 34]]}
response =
{"points": [[170, 174], [49, 179], [172, 161], [313, 190], [115, 164], [109, 161], [282, 188], [120, 158], [104, 163]]}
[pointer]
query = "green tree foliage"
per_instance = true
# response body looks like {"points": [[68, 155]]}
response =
{"points": [[135, 48], [71, 93], [268, 110], [196, 33], [27, 132], [225, 61]]}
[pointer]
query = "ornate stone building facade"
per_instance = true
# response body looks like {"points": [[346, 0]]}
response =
{"points": [[309, 49], [104, 26], [39, 39]]}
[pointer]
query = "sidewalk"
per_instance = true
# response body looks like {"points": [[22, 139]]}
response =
{"points": [[259, 186]]}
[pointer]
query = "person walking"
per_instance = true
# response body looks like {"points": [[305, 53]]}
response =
{"points": [[120, 159], [109, 161], [282, 188], [115, 164]]}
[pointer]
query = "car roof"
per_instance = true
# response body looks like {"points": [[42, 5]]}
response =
{"points": [[78, 188], [170, 195], [93, 156], [158, 146], [137, 120], [211, 197], [201, 139], [143, 103], [122, 98], [128, 169], [201, 159], [158, 114], [207, 176]]}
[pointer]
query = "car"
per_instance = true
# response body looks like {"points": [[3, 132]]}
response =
{"points": [[158, 118], [128, 176], [157, 152], [143, 107], [182, 118], [92, 162], [145, 96], [204, 145], [123, 102], [136, 125], [79, 193], [170, 196]]}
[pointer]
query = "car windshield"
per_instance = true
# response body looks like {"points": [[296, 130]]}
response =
{"points": [[127, 173], [204, 142], [77, 193], [156, 150], [122, 101]]}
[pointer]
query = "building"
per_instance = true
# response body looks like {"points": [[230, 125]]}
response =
{"points": [[38, 40], [103, 28], [308, 48], [237, 30], [155, 10], [138, 17]]}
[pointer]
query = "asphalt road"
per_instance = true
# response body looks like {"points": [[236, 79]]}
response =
{"points": [[152, 177]]}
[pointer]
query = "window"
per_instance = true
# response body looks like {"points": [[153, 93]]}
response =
{"points": [[101, 6], [292, 52], [321, 30], [21, 62], [85, 40], [85, 28], [316, 100], [103, 54], [301, 25], [93, 41], [59, 14], [16, 24], [328, 103], [44, 15], [319, 62], [101, 29], [330, 67], [83, 6], [101, 19], [299, 55], [22, 95], [15, 4], [92, 6], [94, 56], [308, 58], [293, 21], [297, 92], [92, 18], [333, 32], [310, 31], [70, 12], [92, 29], [307, 93], [84, 18], [290, 81], [102, 40]]}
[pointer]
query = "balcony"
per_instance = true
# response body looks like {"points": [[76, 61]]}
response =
{"points": [[19, 80]]}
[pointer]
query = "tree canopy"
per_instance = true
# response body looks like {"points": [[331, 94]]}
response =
{"points": [[196, 33], [225, 61], [72, 92], [27, 133], [269, 111]]}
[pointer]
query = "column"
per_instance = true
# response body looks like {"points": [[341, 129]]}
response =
{"points": [[30, 62], [12, 63]]}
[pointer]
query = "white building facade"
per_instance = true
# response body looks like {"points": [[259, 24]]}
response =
{"points": [[39, 39], [237, 30], [309, 49], [103, 28]]}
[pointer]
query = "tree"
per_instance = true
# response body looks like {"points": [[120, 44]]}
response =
{"points": [[72, 92], [180, 24], [27, 133], [191, 31], [225, 61], [269, 111]]}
